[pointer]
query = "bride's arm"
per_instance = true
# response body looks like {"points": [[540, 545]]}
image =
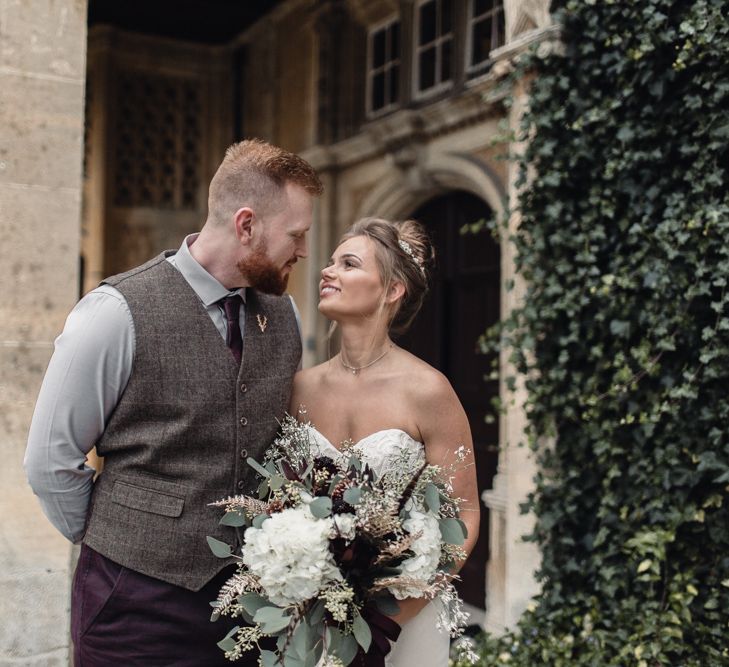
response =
{"points": [[298, 392], [444, 428]]}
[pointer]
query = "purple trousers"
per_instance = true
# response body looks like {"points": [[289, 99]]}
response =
{"points": [[122, 618]]}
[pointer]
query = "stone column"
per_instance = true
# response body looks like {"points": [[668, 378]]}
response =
{"points": [[42, 74], [510, 573], [510, 582]]}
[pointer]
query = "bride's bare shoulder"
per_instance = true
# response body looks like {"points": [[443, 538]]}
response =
{"points": [[309, 377], [426, 385], [308, 386]]}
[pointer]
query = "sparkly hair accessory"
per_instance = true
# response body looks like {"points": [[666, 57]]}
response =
{"points": [[408, 250]]}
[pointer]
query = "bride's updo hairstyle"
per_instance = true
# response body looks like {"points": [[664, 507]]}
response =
{"points": [[404, 254]]}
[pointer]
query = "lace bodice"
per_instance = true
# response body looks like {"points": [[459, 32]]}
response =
{"points": [[378, 449]]}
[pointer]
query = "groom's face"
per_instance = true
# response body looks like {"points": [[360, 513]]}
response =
{"points": [[280, 244]]}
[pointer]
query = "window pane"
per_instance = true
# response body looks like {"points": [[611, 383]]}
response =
{"points": [[427, 69], [499, 38], [446, 17], [378, 91], [395, 41], [481, 39], [378, 48], [480, 6], [427, 22], [445, 60], [394, 84]]}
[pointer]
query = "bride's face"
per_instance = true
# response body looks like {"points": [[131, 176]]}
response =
{"points": [[351, 285]]}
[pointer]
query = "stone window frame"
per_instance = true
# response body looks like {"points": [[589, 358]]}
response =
{"points": [[389, 64], [416, 48], [497, 9]]}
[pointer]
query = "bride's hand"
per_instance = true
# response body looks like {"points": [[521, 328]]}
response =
{"points": [[409, 608]]}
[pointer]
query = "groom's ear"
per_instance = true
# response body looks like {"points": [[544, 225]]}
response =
{"points": [[243, 220], [396, 291]]}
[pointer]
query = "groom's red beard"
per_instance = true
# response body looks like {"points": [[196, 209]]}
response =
{"points": [[262, 274]]}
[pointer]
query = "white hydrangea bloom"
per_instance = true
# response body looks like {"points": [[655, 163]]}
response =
{"points": [[344, 526], [424, 563], [290, 555]]}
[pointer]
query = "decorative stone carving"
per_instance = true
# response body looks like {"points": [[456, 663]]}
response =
{"points": [[369, 12], [527, 15], [158, 141]]}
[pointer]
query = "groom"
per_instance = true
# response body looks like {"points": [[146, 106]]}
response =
{"points": [[177, 371]]}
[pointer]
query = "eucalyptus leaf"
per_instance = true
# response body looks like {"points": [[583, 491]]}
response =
{"points": [[362, 633], [353, 495], [220, 549], [451, 531], [258, 467], [228, 642], [259, 520], [252, 602], [272, 619], [234, 519], [333, 639], [347, 649], [276, 482], [321, 507], [269, 659], [432, 497], [315, 656], [316, 613], [303, 639], [333, 484]]}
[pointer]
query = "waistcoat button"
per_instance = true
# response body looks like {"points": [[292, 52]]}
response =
{"points": [[243, 421], [244, 453], [241, 485], [243, 388]]}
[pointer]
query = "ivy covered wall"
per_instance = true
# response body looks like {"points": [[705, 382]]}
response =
{"points": [[624, 337]]}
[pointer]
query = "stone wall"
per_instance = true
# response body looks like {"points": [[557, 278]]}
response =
{"points": [[42, 74]]}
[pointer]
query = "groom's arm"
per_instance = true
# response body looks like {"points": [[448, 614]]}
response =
{"points": [[86, 376]]}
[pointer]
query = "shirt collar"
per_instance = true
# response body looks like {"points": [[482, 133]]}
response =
{"points": [[208, 288]]}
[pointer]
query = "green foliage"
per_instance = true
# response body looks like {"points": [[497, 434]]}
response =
{"points": [[624, 337]]}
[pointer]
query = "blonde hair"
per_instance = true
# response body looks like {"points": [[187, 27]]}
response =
{"points": [[404, 253], [255, 173]]}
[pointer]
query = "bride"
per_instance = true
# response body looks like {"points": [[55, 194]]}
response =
{"points": [[379, 396]]}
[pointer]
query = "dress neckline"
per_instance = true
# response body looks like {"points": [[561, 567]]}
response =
{"points": [[366, 438]]}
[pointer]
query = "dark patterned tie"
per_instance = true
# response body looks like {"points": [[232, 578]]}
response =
{"points": [[233, 338]]}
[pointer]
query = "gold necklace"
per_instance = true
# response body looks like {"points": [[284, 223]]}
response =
{"points": [[357, 369]]}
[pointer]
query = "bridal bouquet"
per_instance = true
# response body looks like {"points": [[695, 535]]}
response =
{"points": [[329, 548]]}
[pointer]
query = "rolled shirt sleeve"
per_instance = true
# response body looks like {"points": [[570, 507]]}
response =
{"points": [[86, 376]]}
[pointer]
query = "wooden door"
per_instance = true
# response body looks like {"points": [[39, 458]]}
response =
{"points": [[463, 303]]}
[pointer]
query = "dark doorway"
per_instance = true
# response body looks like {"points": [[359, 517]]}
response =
{"points": [[463, 303]]}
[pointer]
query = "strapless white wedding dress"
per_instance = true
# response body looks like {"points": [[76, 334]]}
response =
{"points": [[421, 643]]}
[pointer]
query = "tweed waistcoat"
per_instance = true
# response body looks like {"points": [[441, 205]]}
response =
{"points": [[185, 424]]}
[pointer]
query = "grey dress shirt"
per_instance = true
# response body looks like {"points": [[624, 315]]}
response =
{"points": [[86, 376]]}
